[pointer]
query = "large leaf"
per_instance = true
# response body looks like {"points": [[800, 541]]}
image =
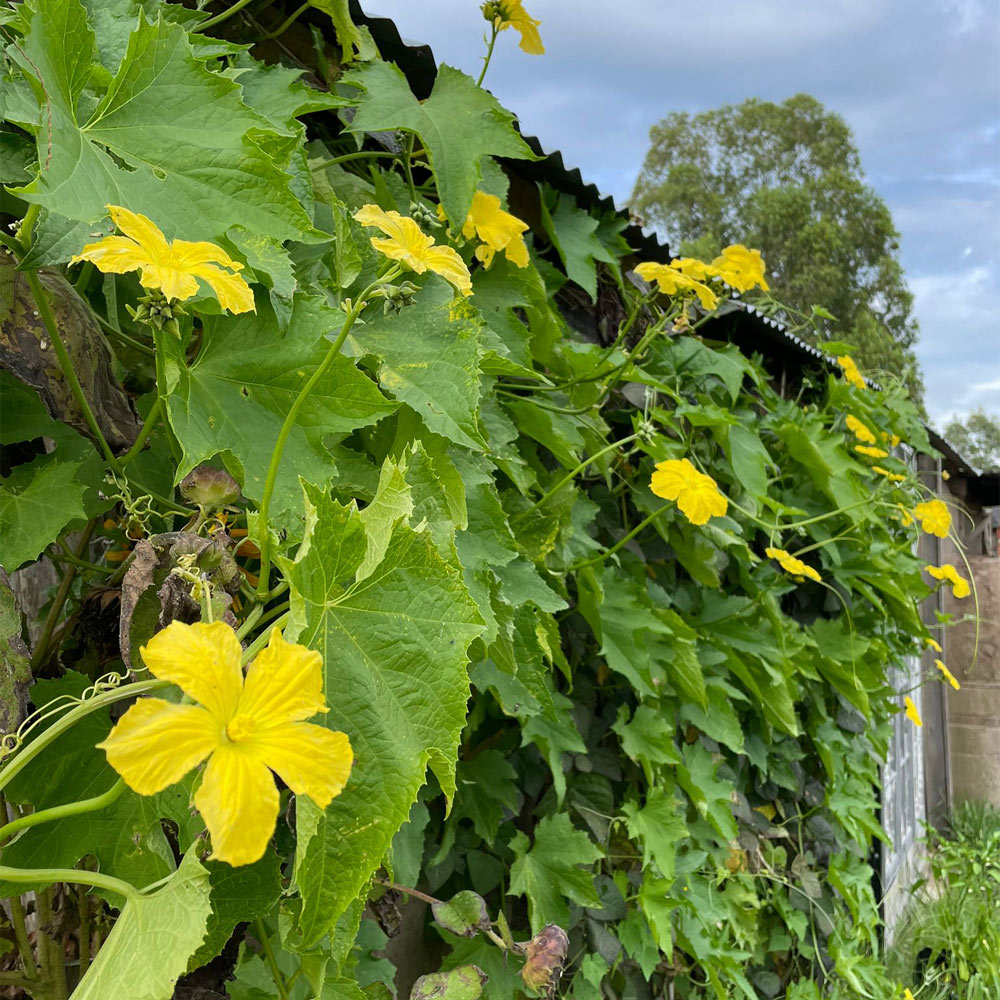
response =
{"points": [[429, 355], [169, 138], [153, 938], [548, 871], [394, 651], [458, 124], [235, 397]]}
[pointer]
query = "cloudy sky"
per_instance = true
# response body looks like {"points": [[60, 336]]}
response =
{"points": [[918, 81]]}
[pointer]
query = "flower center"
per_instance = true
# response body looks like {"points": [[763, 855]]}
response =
{"points": [[240, 728]]}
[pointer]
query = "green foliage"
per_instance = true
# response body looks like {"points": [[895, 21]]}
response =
{"points": [[786, 178], [977, 439], [567, 704]]}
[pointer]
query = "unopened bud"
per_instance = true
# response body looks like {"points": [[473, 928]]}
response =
{"points": [[209, 488], [544, 958]]}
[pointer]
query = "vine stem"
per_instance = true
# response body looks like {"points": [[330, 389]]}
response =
{"points": [[147, 427], [69, 809], [66, 365], [286, 24], [37, 745], [488, 56], [363, 154], [74, 876], [623, 541], [572, 474], [272, 964], [264, 510], [223, 16]]}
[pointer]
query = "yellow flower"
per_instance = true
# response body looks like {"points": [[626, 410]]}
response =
{"points": [[893, 439], [408, 244], [510, 14], [960, 586], [934, 517], [673, 282], [170, 267], [740, 268], [245, 727], [933, 644], [859, 430], [694, 268], [945, 475], [907, 995], [791, 565], [893, 477], [498, 230], [697, 495], [864, 449], [948, 675], [851, 372], [911, 711]]}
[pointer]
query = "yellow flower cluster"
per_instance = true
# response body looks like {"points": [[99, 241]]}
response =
{"points": [[794, 567], [851, 372], [172, 267], [934, 517], [959, 585], [738, 267], [407, 243], [245, 727], [697, 495]]}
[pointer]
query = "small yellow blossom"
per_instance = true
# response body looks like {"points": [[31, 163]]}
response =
{"points": [[407, 243], [740, 268], [864, 449], [859, 430], [673, 281], [511, 14], [697, 495], [948, 675], [907, 517], [960, 586], [934, 517], [794, 567], [694, 268], [945, 475], [911, 711], [851, 372], [245, 727], [893, 477], [171, 267], [498, 230], [907, 995], [933, 644], [893, 439]]}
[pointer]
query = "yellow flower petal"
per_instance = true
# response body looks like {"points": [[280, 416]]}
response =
{"points": [[233, 293], [203, 661], [859, 430], [312, 760], [795, 567], [155, 743], [741, 268], [697, 495], [168, 279], [864, 449], [674, 282], [934, 517], [446, 262], [693, 268], [960, 586], [283, 684], [911, 711], [114, 255], [499, 230], [851, 372], [948, 675], [239, 802], [933, 644], [137, 227], [513, 15]]}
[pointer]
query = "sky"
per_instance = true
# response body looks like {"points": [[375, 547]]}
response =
{"points": [[918, 82]]}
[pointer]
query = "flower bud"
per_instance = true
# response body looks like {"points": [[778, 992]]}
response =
{"points": [[209, 488]]}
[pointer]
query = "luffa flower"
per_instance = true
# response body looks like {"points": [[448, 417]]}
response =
{"points": [[794, 567], [933, 644], [948, 675], [172, 267], [960, 586], [673, 281], [245, 727], [934, 517], [864, 449], [740, 268], [697, 495], [851, 372], [911, 711], [511, 14], [859, 430], [407, 243], [497, 229]]}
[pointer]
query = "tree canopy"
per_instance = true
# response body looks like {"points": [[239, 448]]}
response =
{"points": [[787, 178], [977, 438]]}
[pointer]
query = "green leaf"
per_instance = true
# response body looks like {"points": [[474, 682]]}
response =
{"points": [[152, 939], [238, 894], [657, 826], [712, 797], [429, 359], [749, 459], [462, 983], [464, 914], [37, 502], [458, 124], [235, 396], [485, 788], [648, 738], [187, 144], [355, 41], [574, 234], [823, 459], [394, 651], [548, 871]]}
